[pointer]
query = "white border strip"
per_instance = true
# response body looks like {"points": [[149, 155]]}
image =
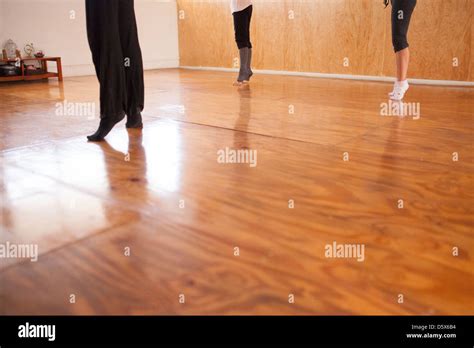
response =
{"points": [[342, 76]]}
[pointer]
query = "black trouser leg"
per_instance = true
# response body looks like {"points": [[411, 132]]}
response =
{"points": [[93, 23], [242, 21], [133, 58], [401, 16], [113, 39]]}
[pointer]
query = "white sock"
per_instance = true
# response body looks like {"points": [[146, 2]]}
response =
{"points": [[403, 85], [399, 90]]}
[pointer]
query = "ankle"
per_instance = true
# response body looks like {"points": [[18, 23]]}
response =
{"points": [[401, 82]]}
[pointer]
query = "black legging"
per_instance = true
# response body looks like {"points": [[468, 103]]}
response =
{"points": [[113, 39], [401, 15], [242, 27]]}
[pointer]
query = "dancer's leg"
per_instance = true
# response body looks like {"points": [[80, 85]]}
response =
{"points": [[93, 23], [249, 62], [104, 40], [244, 57], [241, 24], [135, 89], [403, 59], [402, 11]]}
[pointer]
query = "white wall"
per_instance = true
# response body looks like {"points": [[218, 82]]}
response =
{"points": [[1, 24], [49, 26]]}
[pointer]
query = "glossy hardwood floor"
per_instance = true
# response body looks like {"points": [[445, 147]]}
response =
{"points": [[162, 195]]}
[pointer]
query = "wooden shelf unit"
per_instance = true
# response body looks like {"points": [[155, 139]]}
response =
{"points": [[44, 66]]}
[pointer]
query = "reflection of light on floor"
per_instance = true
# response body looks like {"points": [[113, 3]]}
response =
{"points": [[162, 144], [118, 139], [82, 168], [174, 108], [53, 211], [54, 206]]}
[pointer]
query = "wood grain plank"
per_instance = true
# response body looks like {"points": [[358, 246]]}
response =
{"points": [[128, 192]]}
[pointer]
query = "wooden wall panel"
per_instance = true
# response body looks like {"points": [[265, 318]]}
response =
{"points": [[324, 32]]}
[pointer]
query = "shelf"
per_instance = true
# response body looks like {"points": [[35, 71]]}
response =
{"points": [[44, 64], [28, 58], [11, 78], [40, 76]]}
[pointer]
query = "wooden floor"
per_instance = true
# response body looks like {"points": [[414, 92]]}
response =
{"points": [[163, 194]]}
